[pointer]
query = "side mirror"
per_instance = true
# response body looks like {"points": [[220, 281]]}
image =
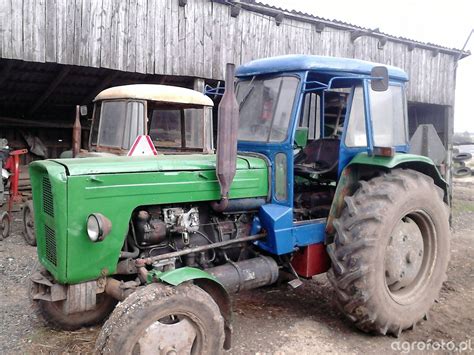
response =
{"points": [[301, 137], [379, 80], [83, 110]]}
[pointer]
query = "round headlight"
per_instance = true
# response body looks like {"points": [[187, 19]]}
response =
{"points": [[98, 226]]}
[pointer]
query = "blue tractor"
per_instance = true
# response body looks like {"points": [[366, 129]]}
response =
{"points": [[336, 133]]}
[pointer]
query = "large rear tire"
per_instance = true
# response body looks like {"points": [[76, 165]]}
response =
{"points": [[390, 252], [53, 315], [159, 319]]}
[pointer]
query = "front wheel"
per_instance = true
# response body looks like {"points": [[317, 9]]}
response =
{"points": [[52, 313], [159, 319], [390, 252]]}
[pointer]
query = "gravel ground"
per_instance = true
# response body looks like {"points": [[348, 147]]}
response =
{"points": [[271, 320]]}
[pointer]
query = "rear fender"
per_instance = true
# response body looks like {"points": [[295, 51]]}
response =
{"points": [[365, 166], [209, 284]]}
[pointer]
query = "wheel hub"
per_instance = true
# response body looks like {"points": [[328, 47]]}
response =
{"points": [[168, 338], [404, 255]]}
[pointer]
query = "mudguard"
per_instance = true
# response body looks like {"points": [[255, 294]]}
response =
{"points": [[400, 160], [364, 165]]}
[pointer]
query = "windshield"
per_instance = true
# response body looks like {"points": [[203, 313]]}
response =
{"points": [[177, 128], [117, 123], [265, 108]]}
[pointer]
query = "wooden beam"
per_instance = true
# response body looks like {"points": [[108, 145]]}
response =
{"points": [[5, 71], [62, 74], [19, 122], [101, 86]]}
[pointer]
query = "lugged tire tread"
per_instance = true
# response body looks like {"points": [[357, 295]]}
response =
{"points": [[126, 311], [346, 252]]}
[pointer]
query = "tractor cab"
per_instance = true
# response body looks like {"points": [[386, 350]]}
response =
{"points": [[311, 115], [177, 119]]}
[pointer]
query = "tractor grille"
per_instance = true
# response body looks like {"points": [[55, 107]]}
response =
{"points": [[50, 237], [47, 197]]}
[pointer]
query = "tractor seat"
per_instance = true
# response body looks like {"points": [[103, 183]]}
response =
{"points": [[319, 157]]}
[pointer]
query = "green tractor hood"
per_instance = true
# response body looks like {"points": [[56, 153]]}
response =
{"points": [[67, 191], [121, 164]]}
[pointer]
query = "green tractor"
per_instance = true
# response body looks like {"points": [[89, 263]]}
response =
{"points": [[312, 174]]}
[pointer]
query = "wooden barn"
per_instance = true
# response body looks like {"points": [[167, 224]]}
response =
{"points": [[55, 54]]}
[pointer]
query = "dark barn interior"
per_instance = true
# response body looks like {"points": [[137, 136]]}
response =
{"points": [[39, 100]]}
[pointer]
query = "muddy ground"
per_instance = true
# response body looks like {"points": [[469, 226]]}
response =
{"points": [[272, 320]]}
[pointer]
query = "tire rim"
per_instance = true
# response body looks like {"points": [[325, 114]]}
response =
{"points": [[410, 256], [170, 335]]}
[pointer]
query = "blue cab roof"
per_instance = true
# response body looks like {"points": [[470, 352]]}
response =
{"points": [[315, 63]]}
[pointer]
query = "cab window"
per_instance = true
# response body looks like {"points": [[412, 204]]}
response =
{"points": [[117, 123], [310, 115], [177, 128], [356, 134], [388, 113]]}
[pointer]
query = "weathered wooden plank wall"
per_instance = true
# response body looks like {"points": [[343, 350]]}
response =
{"points": [[161, 37]]}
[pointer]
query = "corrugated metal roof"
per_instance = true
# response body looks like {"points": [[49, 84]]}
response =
{"points": [[259, 6]]}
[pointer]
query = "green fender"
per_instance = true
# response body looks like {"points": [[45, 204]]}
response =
{"points": [[364, 165], [411, 161], [208, 283], [178, 276]]}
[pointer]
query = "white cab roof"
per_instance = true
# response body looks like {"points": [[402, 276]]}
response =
{"points": [[154, 92]]}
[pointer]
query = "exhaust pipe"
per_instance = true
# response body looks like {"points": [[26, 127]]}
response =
{"points": [[76, 134], [228, 123]]}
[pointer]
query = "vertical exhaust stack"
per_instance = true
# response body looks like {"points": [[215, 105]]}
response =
{"points": [[228, 124], [76, 134]]}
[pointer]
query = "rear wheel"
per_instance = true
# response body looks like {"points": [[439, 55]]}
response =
{"points": [[29, 223], [4, 225], [161, 319], [391, 251]]}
